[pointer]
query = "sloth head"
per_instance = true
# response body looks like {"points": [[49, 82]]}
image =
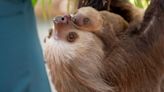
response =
{"points": [[88, 19], [69, 43]]}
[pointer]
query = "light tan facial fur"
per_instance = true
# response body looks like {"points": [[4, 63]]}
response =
{"points": [[76, 67]]}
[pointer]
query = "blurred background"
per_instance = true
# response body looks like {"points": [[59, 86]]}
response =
{"points": [[46, 10]]}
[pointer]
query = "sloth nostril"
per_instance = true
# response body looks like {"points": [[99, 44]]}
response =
{"points": [[63, 18]]}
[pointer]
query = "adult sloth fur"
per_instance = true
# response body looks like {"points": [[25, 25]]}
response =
{"points": [[82, 61]]}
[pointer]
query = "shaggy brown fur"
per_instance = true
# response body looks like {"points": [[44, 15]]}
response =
{"points": [[140, 54], [162, 86], [92, 63]]}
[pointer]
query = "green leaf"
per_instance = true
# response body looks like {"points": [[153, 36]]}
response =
{"points": [[34, 2], [140, 3]]}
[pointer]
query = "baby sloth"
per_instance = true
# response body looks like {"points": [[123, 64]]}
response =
{"points": [[89, 19]]}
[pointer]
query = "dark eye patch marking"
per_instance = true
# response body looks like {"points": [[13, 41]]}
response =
{"points": [[86, 20], [72, 36]]}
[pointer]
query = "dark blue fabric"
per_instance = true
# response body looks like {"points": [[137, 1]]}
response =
{"points": [[21, 61]]}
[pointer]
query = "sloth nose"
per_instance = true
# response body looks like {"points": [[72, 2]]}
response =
{"points": [[61, 25], [62, 19], [59, 19]]}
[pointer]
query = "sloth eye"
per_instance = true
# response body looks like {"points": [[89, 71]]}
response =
{"points": [[86, 20], [72, 36]]}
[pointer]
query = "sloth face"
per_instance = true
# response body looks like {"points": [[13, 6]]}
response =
{"points": [[68, 43], [88, 19]]}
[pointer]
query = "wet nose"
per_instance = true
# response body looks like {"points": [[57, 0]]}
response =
{"points": [[60, 19]]}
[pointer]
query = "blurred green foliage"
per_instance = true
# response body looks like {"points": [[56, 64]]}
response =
{"points": [[140, 3], [34, 2]]}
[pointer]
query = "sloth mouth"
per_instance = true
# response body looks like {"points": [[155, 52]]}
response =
{"points": [[56, 35]]}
